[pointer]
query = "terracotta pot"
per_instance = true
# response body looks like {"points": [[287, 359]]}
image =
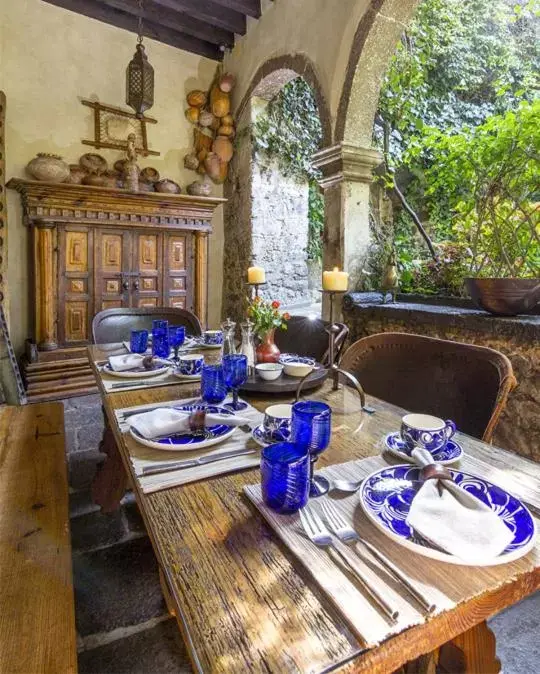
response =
{"points": [[196, 98], [200, 188], [76, 174], [149, 175], [504, 296], [94, 180], [267, 351], [167, 186], [48, 168]]}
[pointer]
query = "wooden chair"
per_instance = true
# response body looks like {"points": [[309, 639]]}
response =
{"points": [[115, 325], [466, 383], [306, 336]]}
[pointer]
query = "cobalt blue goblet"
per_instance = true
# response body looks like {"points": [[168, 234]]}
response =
{"points": [[213, 387], [138, 341], [311, 426], [285, 477], [177, 336], [160, 339], [235, 371]]}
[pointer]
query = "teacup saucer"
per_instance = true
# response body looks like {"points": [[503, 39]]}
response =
{"points": [[258, 435], [449, 454]]}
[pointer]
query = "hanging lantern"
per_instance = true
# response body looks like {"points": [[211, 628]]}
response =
{"points": [[140, 77]]}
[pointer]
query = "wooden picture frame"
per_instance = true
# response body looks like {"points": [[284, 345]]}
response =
{"points": [[112, 126]]}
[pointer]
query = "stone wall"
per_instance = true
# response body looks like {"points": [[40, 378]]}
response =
{"points": [[280, 234], [518, 338]]}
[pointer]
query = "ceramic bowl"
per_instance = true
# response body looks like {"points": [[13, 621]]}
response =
{"points": [[269, 371], [296, 369]]}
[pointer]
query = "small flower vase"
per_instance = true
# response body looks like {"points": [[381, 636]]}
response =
{"points": [[267, 351]]}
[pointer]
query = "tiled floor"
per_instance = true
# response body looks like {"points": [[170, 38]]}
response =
{"points": [[122, 623]]}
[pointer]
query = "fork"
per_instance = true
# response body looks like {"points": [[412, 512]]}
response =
{"points": [[345, 532], [320, 536]]}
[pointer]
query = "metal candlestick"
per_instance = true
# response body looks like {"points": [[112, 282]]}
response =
{"points": [[333, 369], [256, 287]]}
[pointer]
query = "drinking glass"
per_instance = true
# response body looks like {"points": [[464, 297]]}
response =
{"points": [[138, 341], [160, 339], [311, 426], [235, 372], [177, 336], [285, 477], [213, 388]]}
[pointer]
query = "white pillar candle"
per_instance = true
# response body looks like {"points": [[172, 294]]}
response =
{"points": [[335, 280], [256, 275]]}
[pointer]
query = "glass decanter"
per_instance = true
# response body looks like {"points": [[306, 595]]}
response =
{"points": [[229, 345], [248, 344]]}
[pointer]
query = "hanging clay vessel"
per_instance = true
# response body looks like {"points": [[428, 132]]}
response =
{"points": [[212, 165], [196, 98], [206, 118], [226, 82], [50, 168], [192, 115], [191, 162], [223, 147]]}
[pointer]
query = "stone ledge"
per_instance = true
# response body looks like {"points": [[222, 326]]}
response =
{"points": [[525, 327]]}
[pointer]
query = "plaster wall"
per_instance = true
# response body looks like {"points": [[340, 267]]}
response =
{"points": [[50, 58]]}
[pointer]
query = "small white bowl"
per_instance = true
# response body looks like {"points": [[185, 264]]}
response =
{"points": [[296, 369], [269, 371]]}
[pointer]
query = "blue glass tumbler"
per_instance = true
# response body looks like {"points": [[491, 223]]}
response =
{"points": [[177, 336], [285, 477], [160, 339], [213, 387], [311, 426], [138, 341], [235, 371]]}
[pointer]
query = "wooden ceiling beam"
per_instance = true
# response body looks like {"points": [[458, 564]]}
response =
{"points": [[209, 11], [177, 21], [248, 7], [96, 10]]}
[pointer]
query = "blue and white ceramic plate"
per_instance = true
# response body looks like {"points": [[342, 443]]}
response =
{"points": [[258, 435], [189, 441], [293, 358], [199, 343], [138, 372], [187, 377], [449, 454], [386, 496]]}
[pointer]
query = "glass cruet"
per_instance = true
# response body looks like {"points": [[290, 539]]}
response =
{"points": [[229, 345], [248, 344]]}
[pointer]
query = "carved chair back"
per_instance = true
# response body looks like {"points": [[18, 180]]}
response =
{"points": [[115, 325]]}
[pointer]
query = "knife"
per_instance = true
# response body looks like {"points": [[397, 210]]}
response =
{"points": [[190, 463], [145, 382]]}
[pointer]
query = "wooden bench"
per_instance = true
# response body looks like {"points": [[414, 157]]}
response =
{"points": [[37, 617]]}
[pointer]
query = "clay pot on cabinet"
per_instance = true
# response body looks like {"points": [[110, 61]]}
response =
{"points": [[200, 188], [76, 174], [50, 168], [167, 186], [94, 180], [110, 179]]}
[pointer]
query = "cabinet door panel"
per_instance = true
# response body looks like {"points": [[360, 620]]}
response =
{"points": [[112, 248], [75, 287], [146, 287], [177, 283]]}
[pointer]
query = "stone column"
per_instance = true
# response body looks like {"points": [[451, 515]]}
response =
{"points": [[347, 172], [45, 285]]}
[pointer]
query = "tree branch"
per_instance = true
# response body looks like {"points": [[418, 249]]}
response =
{"points": [[416, 221]]}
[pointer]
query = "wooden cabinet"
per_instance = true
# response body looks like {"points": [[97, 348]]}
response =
{"points": [[97, 248]]}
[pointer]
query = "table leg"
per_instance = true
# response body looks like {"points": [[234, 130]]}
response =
{"points": [[111, 480], [470, 653]]}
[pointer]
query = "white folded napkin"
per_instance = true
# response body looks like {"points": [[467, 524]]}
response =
{"points": [[165, 421], [128, 362], [455, 520]]}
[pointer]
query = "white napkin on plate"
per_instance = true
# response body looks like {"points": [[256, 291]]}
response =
{"points": [[166, 420], [455, 520], [128, 362]]}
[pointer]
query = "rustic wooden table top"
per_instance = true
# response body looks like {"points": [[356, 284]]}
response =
{"points": [[37, 621], [242, 601]]}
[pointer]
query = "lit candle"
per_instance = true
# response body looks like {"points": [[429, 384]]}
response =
{"points": [[335, 280], [256, 275]]}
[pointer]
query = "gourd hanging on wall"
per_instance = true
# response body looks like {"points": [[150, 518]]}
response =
{"points": [[214, 129]]}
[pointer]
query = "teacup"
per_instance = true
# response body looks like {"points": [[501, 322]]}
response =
{"points": [[426, 431], [213, 337], [277, 423], [190, 364]]}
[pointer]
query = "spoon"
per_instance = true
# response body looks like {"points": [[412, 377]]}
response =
{"points": [[345, 485]]}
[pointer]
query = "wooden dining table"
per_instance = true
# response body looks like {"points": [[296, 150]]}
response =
{"points": [[244, 603]]}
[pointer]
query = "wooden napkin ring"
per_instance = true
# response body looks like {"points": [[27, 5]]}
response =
{"points": [[197, 420], [435, 471]]}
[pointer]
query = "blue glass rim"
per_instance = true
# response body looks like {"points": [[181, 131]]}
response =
{"points": [[160, 324], [139, 333], [216, 367], [285, 453], [311, 408], [234, 358]]}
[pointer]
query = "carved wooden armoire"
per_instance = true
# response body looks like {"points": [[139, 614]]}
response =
{"points": [[95, 248]]}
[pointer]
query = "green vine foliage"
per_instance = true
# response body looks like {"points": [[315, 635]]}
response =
{"points": [[289, 133], [459, 126]]}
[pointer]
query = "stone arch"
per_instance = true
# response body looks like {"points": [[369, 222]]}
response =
{"points": [[275, 73], [373, 45], [267, 82]]}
